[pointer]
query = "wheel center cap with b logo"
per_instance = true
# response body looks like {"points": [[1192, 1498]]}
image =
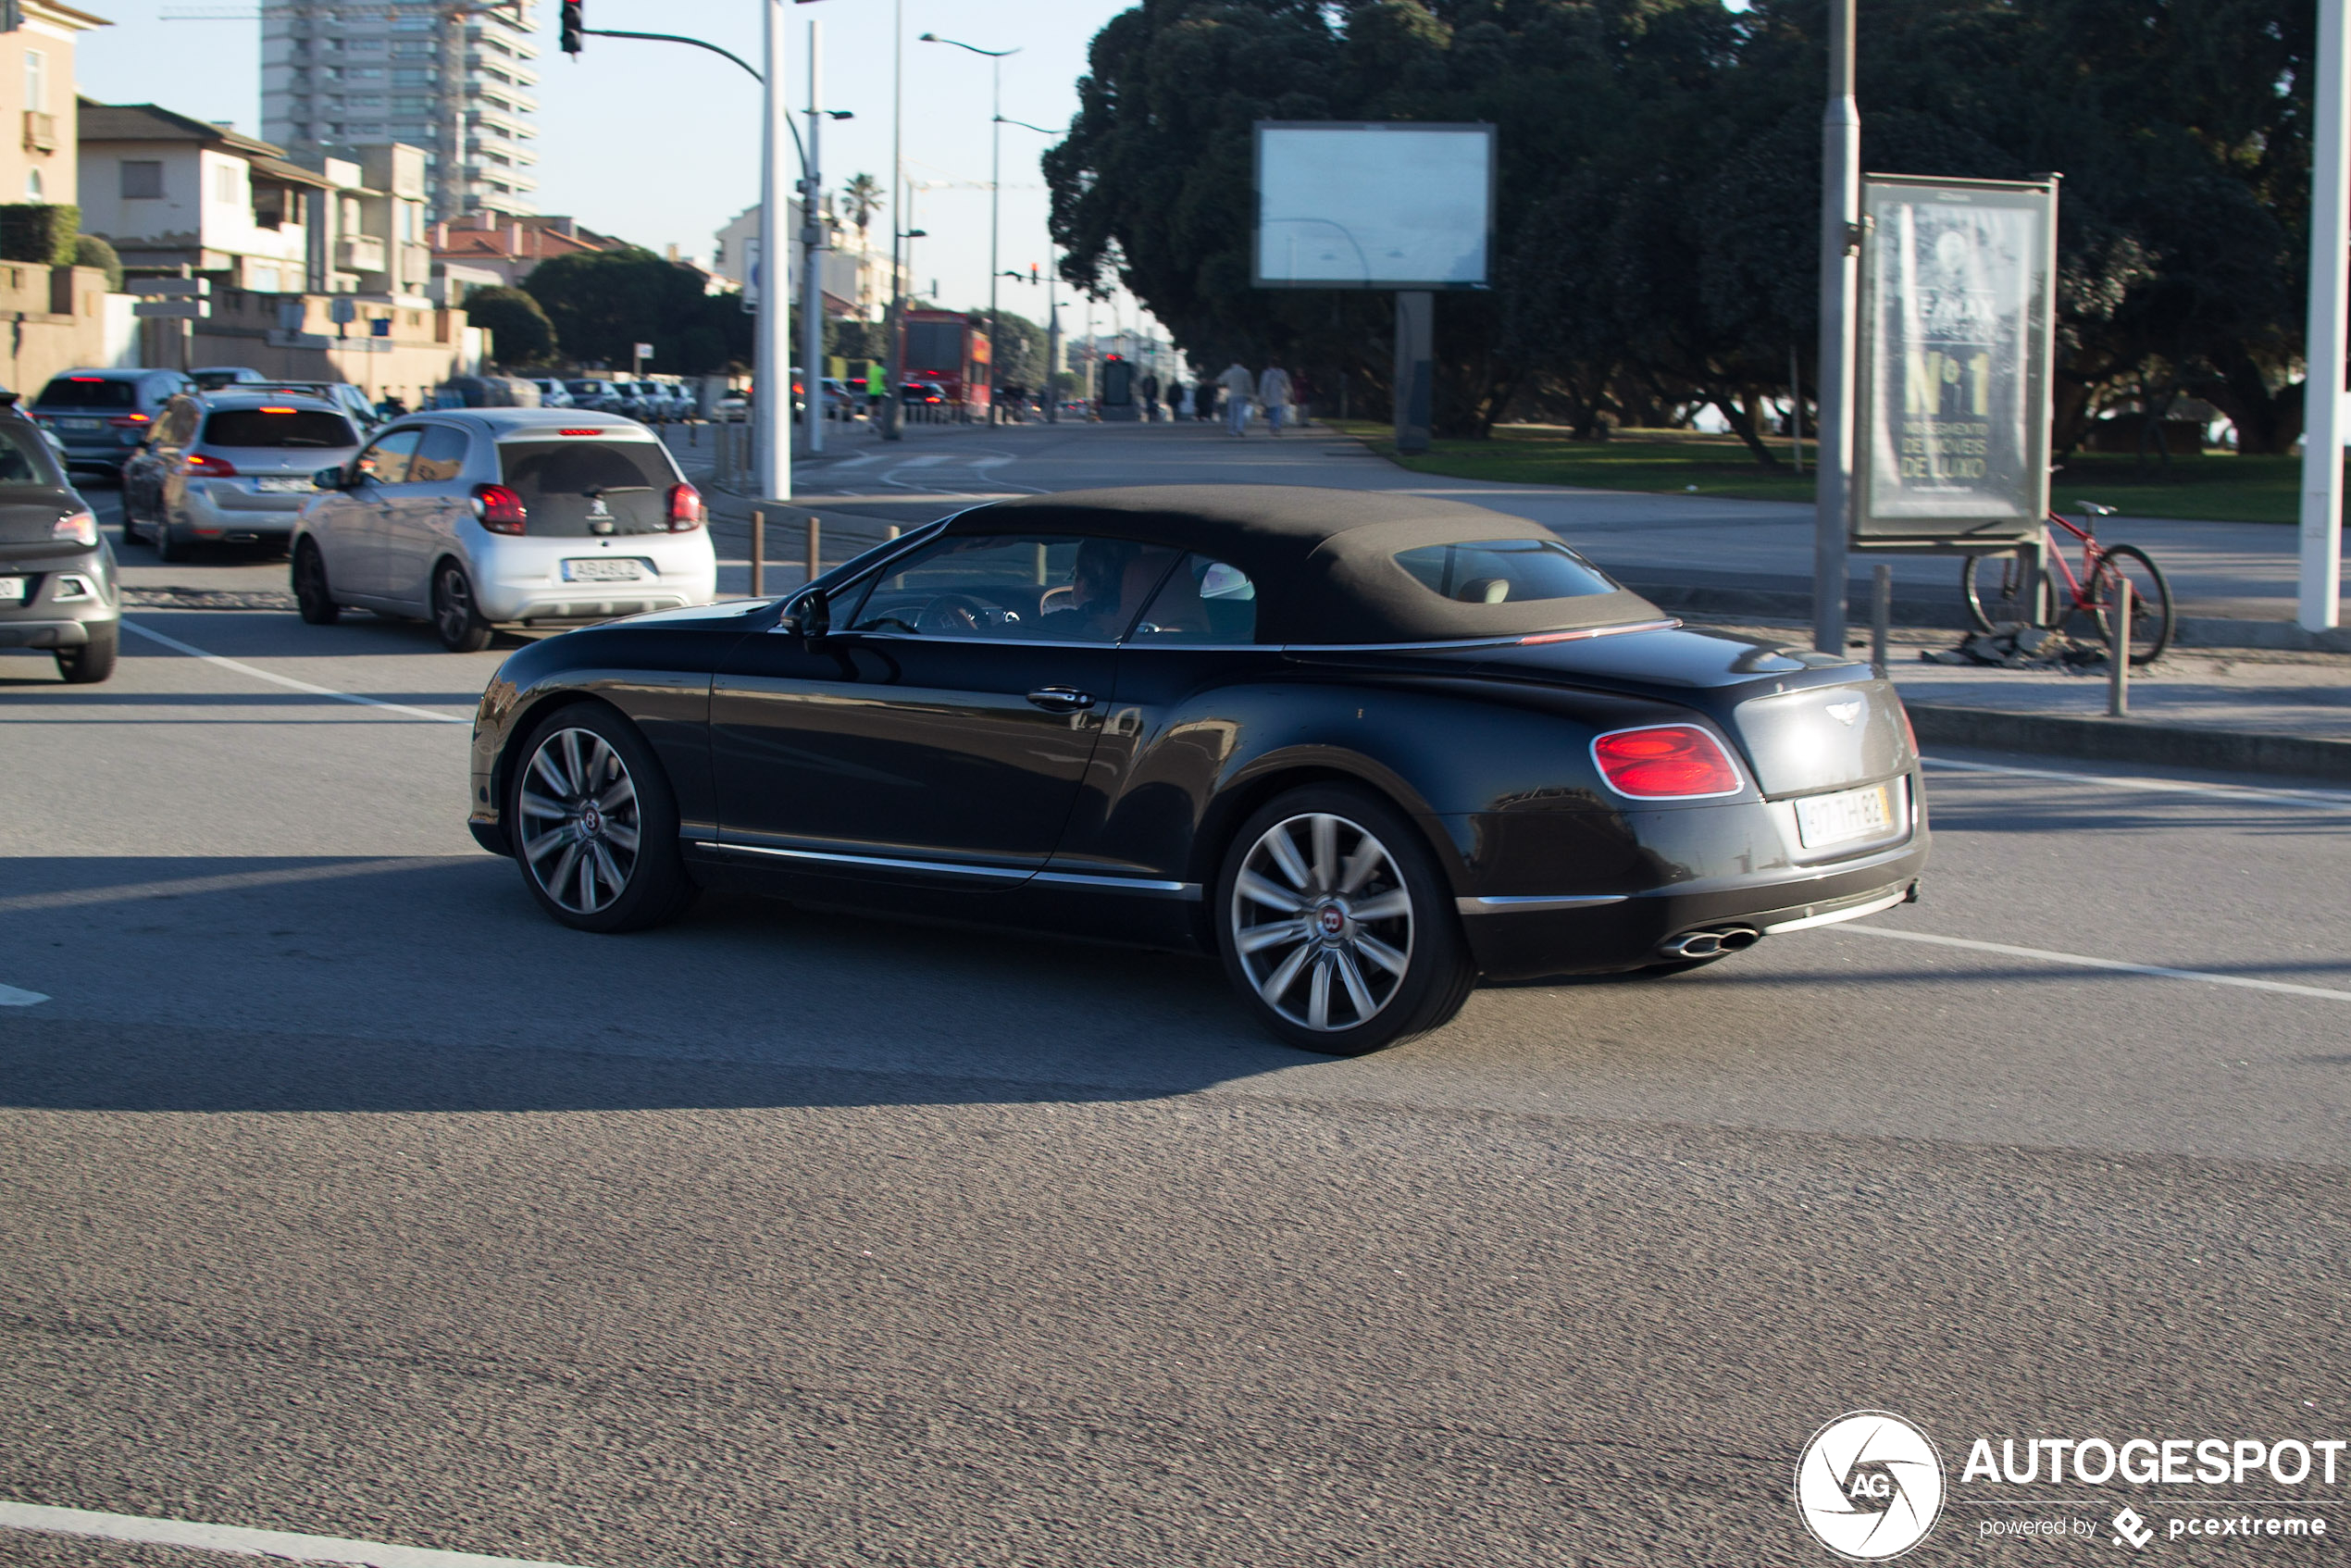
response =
{"points": [[1332, 920]]}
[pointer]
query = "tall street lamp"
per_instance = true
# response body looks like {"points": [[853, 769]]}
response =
{"points": [[995, 187], [1052, 315], [893, 427]]}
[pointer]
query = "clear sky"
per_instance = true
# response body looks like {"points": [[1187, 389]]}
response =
{"points": [[657, 142]]}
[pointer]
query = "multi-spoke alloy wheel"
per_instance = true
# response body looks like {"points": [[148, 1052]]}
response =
{"points": [[579, 821], [1322, 922], [1336, 927]]}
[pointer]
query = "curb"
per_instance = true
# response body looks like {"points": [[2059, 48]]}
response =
{"points": [[2122, 740]]}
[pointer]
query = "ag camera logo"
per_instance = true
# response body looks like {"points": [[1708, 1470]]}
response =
{"points": [[1868, 1486]]}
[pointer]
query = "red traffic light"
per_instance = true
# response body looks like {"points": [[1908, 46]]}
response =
{"points": [[570, 27]]}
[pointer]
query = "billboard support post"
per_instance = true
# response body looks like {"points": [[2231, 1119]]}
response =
{"points": [[1840, 253], [1415, 367], [2319, 606]]}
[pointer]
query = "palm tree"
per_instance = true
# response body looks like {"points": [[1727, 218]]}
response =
{"points": [[864, 194]]}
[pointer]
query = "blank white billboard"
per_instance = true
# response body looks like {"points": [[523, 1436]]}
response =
{"points": [[1385, 205]]}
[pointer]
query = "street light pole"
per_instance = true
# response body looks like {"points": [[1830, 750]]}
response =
{"points": [[771, 368], [892, 428], [995, 187], [1840, 277], [811, 247], [2320, 601]]}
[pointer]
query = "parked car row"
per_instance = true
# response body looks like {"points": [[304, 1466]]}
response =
{"points": [[652, 401]]}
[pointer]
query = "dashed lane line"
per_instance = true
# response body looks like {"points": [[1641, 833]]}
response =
{"points": [[2245, 794], [284, 1545], [2083, 961], [242, 668]]}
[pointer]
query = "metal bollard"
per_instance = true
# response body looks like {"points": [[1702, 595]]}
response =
{"points": [[1880, 614], [2118, 651], [759, 553], [891, 532], [815, 565]]}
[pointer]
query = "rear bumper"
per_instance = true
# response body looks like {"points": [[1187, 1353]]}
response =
{"points": [[1617, 932]]}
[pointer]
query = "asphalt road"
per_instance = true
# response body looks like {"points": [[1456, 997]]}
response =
{"points": [[345, 1194]]}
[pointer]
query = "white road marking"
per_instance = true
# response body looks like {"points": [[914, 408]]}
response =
{"points": [[2246, 794], [282, 1544], [2084, 961], [287, 680], [225, 882], [11, 997]]}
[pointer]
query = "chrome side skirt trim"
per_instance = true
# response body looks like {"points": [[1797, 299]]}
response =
{"points": [[1519, 903], [1005, 874], [875, 862], [1189, 892], [1832, 916]]}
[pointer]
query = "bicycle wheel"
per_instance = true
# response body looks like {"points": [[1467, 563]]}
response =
{"points": [[1998, 591], [2151, 616]]}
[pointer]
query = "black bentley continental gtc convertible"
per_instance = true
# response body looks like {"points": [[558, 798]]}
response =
{"points": [[1363, 747]]}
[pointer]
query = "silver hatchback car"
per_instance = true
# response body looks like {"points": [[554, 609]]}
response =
{"points": [[231, 466], [480, 518]]}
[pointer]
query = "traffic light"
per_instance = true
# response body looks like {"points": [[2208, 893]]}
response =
{"points": [[570, 27], [1032, 272]]}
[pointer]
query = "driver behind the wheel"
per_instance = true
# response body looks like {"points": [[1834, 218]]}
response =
{"points": [[1108, 584]]}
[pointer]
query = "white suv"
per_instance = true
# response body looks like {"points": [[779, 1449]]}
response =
{"points": [[481, 517]]}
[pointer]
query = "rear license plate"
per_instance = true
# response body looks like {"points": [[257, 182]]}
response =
{"points": [[11, 589], [283, 484], [603, 571], [1825, 820], [81, 424]]}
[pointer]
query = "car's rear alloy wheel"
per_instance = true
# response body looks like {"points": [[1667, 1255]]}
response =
{"points": [[455, 616], [1336, 929], [592, 823]]}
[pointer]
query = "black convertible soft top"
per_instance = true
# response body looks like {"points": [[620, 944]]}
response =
{"points": [[1323, 560]]}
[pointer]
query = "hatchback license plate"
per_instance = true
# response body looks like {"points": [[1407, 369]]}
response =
{"points": [[11, 589], [603, 571], [1824, 820], [81, 424], [283, 484]]}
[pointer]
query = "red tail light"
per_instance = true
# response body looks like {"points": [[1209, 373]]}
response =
{"points": [[685, 508], [500, 509], [130, 421], [199, 463], [1665, 762]]}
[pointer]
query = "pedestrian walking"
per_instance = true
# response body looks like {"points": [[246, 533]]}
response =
{"points": [[1151, 400], [1239, 387], [1179, 400], [1274, 392]]}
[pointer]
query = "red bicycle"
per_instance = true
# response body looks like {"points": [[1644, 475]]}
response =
{"points": [[2001, 593]]}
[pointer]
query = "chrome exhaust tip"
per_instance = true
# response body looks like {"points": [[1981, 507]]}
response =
{"points": [[1710, 945]]}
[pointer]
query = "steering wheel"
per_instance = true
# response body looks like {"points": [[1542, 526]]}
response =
{"points": [[950, 614]]}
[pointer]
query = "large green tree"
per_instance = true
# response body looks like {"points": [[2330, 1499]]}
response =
{"points": [[603, 303], [1657, 231], [520, 332]]}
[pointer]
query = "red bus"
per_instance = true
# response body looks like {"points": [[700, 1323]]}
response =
{"points": [[951, 348]]}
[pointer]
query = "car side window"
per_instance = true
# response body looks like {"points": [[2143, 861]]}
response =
{"points": [[441, 457], [1046, 588], [387, 461], [1203, 601]]}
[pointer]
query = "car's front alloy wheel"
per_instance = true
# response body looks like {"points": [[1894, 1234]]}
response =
{"points": [[1336, 929], [593, 826]]}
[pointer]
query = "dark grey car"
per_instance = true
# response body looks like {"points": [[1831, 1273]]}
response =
{"points": [[100, 415], [57, 585]]}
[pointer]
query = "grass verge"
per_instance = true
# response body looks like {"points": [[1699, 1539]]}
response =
{"points": [[2221, 486]]}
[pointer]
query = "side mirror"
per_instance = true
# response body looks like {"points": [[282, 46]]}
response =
{"points": [[327, 479], [811, 615]]}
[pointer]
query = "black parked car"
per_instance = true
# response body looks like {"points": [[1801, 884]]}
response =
{"points": [[57, 585], [1361, 747]]}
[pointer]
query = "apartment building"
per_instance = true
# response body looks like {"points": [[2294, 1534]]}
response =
{"points": [[855, 282], [169, 191], [36, 83], [451, 77]]}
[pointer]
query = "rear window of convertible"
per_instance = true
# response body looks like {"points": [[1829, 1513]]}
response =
{"points": [[1502, 571]]}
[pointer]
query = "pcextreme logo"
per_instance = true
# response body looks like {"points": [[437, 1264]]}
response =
{"points": [[1868, 1486]]}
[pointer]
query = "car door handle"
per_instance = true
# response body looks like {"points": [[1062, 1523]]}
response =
{"points": [[1062, 699]]}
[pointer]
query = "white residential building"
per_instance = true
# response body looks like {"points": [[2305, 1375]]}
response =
{"points": [[452, 80], [172, 192], [856, 282]]}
